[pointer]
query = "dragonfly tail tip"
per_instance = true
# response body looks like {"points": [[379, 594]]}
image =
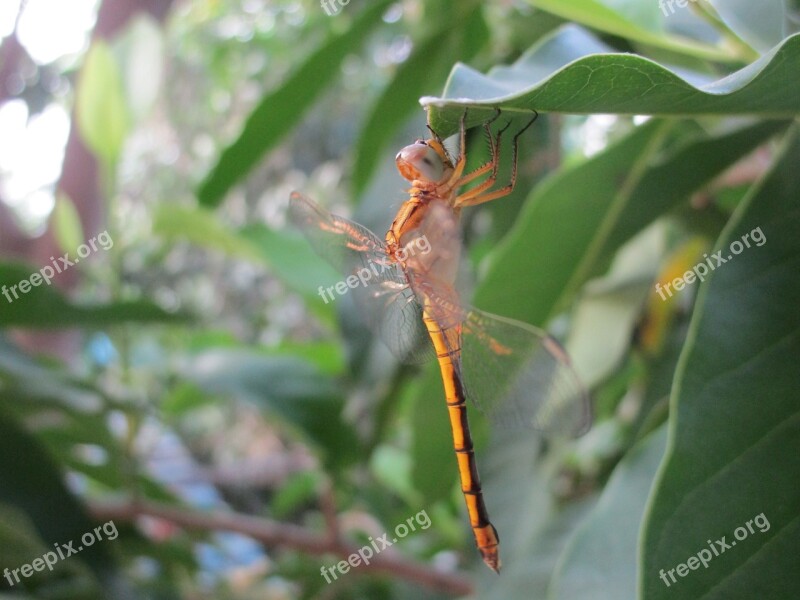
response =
{"points": [[492, 560]]}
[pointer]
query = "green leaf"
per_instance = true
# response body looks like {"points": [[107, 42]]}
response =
{"points": [[282, 108], [296, 491], [67, 226], [31, 482], [574, 72], [605, 317], [73, 417], [44, 307], [734, 438], [101, 111], [392, 469], [183, 399], [533, 526], [434, 468], [203, 228], [632, 21], [292, 260], [20, 544], [143, 50], [600, 561], [576, 220], [760, 24]]}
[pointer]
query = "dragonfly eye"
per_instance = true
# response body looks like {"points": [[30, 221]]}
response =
{"points": [[420, 162]]}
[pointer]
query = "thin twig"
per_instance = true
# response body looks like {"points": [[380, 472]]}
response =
{"points": [[327, 504], [283, 535]]}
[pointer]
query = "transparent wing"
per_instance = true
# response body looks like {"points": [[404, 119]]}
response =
{"points": [[343, 243], [519, 376], [379, 285], [438, 234], [433, 274]]}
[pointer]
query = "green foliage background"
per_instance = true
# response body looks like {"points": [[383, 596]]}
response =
{"points": [[202, 327]]}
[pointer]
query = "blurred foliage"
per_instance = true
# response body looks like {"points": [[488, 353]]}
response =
{"points": [[194, 366]]}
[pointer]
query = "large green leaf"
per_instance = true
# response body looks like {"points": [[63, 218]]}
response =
{"points": [[575, 221], [282, 108], [432, 445], [734, 447], [760, 24], [20, 543], [600, 561], [533, 525], [73, 416], [609, 309], [631, 19], [572, 71], [203, 228], [31, 482]]}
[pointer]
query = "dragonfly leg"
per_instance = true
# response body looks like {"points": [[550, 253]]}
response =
{"points": [[476, 196], [458, 168], [492, 165]]}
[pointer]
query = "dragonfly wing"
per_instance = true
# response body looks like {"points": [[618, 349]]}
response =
{"points": [[379, 286], [435, 245], [433, 274], [343, 243], [519, 376], [391, 309]]}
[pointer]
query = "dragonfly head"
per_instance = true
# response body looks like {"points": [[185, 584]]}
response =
{"points": [[424, 160]]}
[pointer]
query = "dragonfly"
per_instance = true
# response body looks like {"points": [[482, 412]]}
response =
{"points": [[406, 287]]}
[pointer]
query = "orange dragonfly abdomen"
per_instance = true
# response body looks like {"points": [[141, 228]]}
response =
{"points": [[445, 342]]}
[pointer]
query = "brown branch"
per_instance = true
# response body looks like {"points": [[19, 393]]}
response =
{"points": [[327, 502], [284, 535]]}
